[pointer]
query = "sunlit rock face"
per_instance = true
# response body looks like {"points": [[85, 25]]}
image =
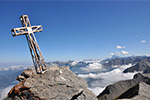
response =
{"points": [[58, 83]]}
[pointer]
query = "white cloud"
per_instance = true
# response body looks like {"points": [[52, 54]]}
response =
{"points": [[97, 90], [120, 47], [125, 53], [116, 71], [112, 53], [92, 67], [103, 79], [118, 52], [143, 41], [19, 67]]}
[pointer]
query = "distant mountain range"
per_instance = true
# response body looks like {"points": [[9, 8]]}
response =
{"points": [[115, 60], [140, 63]]}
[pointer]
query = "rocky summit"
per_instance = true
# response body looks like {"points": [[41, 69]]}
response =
{"points": [[58, 83]]}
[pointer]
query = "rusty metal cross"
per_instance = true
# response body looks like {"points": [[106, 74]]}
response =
{"points": [[35, 51]]}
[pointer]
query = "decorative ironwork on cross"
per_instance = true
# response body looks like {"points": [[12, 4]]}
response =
{"points": [[35, 51]]}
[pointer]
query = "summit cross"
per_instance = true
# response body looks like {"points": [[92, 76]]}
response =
{"points": [[35, 51]]}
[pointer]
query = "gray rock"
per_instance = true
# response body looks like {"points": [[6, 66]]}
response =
{"points": [[112, 92], [58, 83], [143, 92]]}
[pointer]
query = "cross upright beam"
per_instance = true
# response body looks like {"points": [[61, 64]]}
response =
{"points": [[35, 51]]}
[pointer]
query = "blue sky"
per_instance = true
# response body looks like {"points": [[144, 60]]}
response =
{"points": [[75, 30]]}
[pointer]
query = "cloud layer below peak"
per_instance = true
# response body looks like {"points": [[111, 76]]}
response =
{"points": [[99, 80]]}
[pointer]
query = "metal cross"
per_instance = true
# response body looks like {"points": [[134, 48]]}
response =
{"points": [[35, 51]]}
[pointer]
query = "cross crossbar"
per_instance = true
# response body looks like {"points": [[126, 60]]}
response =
{"points": [[35, 51], [26, 30]]}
